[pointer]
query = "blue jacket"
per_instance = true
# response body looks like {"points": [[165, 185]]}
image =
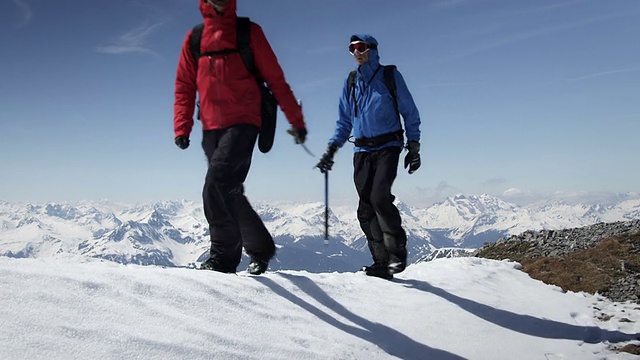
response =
{"points": [[376, 113]]}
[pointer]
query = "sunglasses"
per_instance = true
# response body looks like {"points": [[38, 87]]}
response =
{"points": [[359, 47]]}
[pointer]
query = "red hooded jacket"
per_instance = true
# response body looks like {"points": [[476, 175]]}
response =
{"points": [[229, 94]]}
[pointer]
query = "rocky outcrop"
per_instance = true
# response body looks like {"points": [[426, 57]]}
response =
{"points": [[548, 251]]}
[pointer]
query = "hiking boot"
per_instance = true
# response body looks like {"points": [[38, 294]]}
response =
{"points": [[214, 265], [257, 267], [398, 261], [397, 267], [378, 270]]}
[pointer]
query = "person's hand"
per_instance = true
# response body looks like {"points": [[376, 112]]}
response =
{"points": [[299, 135], [182, 142], [412, 159], [326, 161]]}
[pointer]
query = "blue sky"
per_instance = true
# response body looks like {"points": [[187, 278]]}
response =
{"points": [[529, 97]]}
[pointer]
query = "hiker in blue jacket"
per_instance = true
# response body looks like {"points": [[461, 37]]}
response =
{"points": [[373, 98]]}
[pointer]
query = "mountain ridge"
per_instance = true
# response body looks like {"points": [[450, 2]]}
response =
{"points": [[174, 232]]}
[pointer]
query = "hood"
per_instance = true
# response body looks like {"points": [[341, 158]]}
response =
{"points": [[208, 11], [374, 58]]}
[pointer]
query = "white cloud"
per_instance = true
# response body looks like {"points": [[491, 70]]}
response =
{"points": [[495, 182], [512, 192], [425, 196], [131, 42], [517, 37], [25, 11], [527, 196], [551, 7], [448, 3], [523, 197], [605, 73]]}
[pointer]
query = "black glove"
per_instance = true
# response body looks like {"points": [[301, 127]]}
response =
{"points": [[299, 135], [326, 161], [412, 159], [182, 142]]}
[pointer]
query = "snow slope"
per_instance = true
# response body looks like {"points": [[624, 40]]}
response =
{"points": [[463, 308]]}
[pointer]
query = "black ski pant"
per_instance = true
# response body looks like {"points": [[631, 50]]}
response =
{"points": [[233, 223], [374, 174]]}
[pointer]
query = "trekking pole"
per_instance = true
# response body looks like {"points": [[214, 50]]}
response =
{"points": [[326, 208]]}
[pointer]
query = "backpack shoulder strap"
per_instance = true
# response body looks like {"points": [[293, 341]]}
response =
{"points": [[351, 89], [390, 81], [243, 43], [351, 83], [194, 42], [194, 46]]}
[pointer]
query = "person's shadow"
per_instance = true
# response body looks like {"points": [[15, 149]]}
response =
{"points": [[390, 340], [524, 324]]}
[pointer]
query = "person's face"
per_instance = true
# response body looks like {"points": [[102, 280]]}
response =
{"points": [[361, 58], [360, 51], [219, 5]]}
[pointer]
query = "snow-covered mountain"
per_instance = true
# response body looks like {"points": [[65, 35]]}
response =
{"points": [[175, 233], [469, 221]]}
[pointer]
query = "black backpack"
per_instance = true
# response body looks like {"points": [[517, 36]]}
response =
{"points": [[269, 104], [389, 80]]}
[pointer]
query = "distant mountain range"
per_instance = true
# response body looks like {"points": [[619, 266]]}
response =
{"points": [[175, 233]]}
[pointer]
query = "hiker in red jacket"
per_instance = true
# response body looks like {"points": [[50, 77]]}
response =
{"points": [[230, 112]]}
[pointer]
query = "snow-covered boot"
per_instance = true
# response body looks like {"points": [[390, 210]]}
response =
{"points": [[214, 265], [378, 270], [257, 267], [398, 261]]}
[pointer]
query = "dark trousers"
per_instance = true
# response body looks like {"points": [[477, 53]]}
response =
{"points": [[232, 221], [374, 173]]}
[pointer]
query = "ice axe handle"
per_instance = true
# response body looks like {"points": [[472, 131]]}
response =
{"points": [[326, 208]]}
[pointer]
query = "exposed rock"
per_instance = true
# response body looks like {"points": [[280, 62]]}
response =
{"points": [[553, 250]]}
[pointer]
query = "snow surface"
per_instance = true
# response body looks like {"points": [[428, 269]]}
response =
{"points": [[445, 309]]}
